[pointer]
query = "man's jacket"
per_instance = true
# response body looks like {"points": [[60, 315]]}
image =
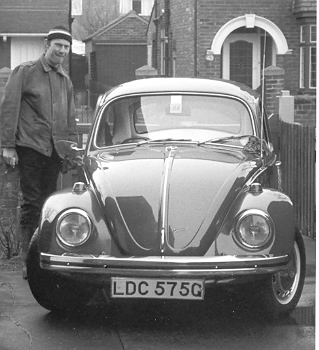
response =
{"points": [[37, 108]]}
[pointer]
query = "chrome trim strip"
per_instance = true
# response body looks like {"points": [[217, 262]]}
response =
{"points": [[161, 273], [159, 266], [164, 194]]}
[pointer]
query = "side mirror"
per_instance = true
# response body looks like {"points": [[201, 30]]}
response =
{"points": [[76, 148], [68, 149]]}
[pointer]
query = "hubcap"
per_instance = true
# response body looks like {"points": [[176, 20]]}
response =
{"points": [[285, 283]]}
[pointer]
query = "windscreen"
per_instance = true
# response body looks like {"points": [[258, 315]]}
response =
{"points": [[194, 117]]}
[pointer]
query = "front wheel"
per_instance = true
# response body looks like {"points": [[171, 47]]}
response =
{"points": [[278, 294], [52, 291]]}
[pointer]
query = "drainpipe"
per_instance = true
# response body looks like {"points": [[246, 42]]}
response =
{"points": [[195, 37], [156, 34], [167, 35], [70, 20]]}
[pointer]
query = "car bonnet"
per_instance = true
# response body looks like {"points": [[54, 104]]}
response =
{"points": [[167, 199]]}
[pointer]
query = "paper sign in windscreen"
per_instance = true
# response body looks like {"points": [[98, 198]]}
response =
{"points": [[176, 104]]}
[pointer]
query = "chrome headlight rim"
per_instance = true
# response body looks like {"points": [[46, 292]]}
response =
{"points": [[241, 242], [63, 216]]}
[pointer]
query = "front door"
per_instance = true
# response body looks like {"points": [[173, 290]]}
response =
{"points": [[241, 59]]}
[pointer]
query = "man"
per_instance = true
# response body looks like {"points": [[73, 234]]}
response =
{"points": [[38, 110]]}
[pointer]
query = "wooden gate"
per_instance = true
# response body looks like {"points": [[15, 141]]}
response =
{"points": [[298, 157]]}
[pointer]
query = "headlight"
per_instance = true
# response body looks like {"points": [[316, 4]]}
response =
{"points": [[73, 227], [254, 229]]}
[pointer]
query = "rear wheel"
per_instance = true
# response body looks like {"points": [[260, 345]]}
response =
{"points": [[278, 294], [52, 291]]}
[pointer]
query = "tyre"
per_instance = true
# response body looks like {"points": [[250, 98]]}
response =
{"points": [[52, 291], [278, 294]]}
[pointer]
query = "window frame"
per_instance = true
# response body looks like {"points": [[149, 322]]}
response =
{"points": [[311, 72], [307, 58], [302, 68], [145, 5]]}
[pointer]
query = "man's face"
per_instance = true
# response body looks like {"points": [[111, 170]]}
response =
{"points": [[56, 50]]}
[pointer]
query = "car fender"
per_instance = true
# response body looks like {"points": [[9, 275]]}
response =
{"points": [[56, 205], [276, 205]]}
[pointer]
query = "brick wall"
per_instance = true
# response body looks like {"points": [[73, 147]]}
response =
{"points": [[131, 29], [182, 24], [213, 14], [9, 179], [305, 110], [274, 82], [9, 196]]}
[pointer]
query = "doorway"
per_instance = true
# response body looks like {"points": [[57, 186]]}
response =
{"points": [[241, 59]]}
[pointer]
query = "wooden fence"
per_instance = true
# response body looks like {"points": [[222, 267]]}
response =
{"points": [[298, 157]]}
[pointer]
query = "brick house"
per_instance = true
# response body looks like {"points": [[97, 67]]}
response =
{"points": [[115, 51], [238, 40]]}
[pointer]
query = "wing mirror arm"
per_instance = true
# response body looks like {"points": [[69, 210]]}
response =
{"points": [[77, 149], [69, 151]]}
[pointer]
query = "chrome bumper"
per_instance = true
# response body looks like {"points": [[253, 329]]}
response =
{"points": [[165, 266]]}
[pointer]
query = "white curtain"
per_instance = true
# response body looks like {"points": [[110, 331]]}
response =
{"points": [[147, 6], [125, 6]]}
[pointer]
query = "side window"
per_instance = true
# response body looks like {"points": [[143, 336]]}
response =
{"points": [[106, 129]]}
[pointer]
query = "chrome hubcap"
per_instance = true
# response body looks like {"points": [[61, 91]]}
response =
{"points": [[285, 283]]}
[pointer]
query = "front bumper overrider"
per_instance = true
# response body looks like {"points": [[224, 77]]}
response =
{"points": [[168, 267]]}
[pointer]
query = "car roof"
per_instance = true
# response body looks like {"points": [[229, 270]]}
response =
{"points": [[188, 85]]}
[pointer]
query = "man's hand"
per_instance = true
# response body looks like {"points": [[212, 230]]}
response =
{"points": [[10, 156], [70, 163]]}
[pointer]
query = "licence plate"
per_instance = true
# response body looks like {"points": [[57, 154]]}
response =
{"points": [[157, 288]]}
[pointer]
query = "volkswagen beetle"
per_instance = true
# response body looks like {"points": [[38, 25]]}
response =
{"points": [[180, 192]]}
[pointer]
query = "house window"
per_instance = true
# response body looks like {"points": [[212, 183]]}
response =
{"points": [[137, 6], [142, 7], [313, 33], [308, 57], [302, 68], [312, 68]]}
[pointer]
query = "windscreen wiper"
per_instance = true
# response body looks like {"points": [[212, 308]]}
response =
{"points": [[162, 140], [227, 138]]}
